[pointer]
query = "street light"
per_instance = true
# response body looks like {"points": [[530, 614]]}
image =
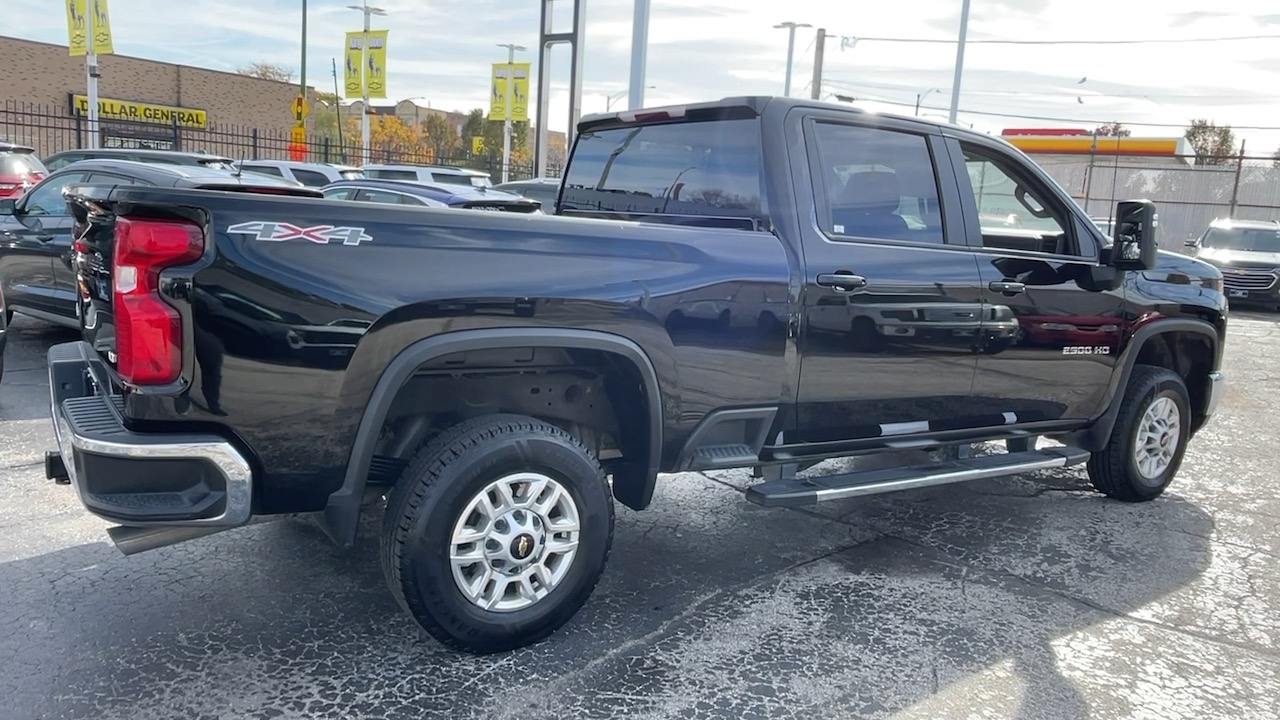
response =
{"points": [[921, 96], [955, 82], [609, 99], [791, 49], [364, 68], [506, 116]]}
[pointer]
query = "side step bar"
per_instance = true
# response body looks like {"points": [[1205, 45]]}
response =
{"points": [[810, 491]]}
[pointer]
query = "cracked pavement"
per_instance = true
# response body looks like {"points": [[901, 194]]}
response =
{"points": [[1030, 597]]}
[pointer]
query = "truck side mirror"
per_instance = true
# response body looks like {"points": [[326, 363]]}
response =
{"points": [[1134, 243], [1193, 242]]}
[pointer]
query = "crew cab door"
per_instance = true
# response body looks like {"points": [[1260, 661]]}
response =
{"points": [[32, 241], [891, 302], [1054, 316]]}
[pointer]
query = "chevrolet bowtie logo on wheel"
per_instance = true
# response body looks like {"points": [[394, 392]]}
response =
{"points": [[320, 234]]}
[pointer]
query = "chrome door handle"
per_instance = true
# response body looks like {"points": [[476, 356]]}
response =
{"points": [[842, 281], [1006, 287]]}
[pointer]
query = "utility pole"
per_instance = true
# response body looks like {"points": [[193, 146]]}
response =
{"points": [[819, 47], [91, 66], [955, 82], [364, 68], [509, 85], [302, 83], [791, 49], [639, 54]]}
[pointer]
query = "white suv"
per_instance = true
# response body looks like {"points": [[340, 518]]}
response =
{"points": [[309, 174], [430, 174]]}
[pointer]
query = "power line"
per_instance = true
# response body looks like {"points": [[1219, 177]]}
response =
{"points": [[1145, 41], [1077, 121], [1064, 93]]}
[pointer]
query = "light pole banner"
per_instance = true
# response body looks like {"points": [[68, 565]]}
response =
{"points": [[375, 72], [519, 86], [78, 25], [352, 78]]}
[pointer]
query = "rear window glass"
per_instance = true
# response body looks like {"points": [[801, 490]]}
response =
{"points": [[310, 178], [467, 180], [351, 174], [708, 168], [394, 174], [21, 164], [263, 170]]}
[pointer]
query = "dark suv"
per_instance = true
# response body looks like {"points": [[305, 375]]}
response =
{"points": [[19, 169], [160, 157], [1247, 252]]}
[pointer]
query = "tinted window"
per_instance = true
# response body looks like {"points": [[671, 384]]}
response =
{"points": [[1247, 239], [411, 200], [394, 174], [310, 178], [875, 183], [339, 193], [46, 199], [351, 174], [265, 170], [378, 196], [693, 168], [110, 179], [22, 164], [451, 179], [1012, 210]]}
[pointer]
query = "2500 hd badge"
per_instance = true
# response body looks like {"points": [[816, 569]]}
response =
{"points": [[1086, 350]]}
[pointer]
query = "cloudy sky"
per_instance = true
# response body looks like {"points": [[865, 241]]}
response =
{"points": [[440, 50]]}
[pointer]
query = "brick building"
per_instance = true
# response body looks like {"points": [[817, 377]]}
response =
{"points": [[45, 75]]}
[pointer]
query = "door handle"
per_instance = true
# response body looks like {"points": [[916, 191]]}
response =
{"points": [[842, 281], [1006, 287], [44, 238]]}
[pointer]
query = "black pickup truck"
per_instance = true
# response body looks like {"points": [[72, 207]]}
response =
{"points": [[753, 282]]}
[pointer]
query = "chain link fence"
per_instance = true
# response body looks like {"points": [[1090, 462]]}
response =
{"points": [[50, 129], [1188, 196]]}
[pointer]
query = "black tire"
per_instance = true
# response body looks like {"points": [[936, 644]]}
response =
{"points": [[436, 487], [1113, 470]]}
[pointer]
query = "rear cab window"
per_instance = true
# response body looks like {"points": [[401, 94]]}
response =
{"points": [[310, 178], [387, 174], [696, 170]]}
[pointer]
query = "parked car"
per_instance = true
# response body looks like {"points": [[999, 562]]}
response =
{"points": [[506, 380], [400, 192], [37, 277], [305, 173], [544, 190], [19, 169], [162, 157], [429, 174], [1247, 252]]}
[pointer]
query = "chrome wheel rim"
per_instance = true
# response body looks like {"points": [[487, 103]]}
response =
{"points": [[1157, 438], [514, 542]]}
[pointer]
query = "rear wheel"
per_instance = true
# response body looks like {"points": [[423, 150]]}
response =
{"points": [[1148, 440], [497, 532]]}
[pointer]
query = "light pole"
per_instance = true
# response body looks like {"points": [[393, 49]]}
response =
{"points": [[506, 115], [921, 96], [639, 54], [610, 99], [364, 83], [791, 49], [955, 82]]}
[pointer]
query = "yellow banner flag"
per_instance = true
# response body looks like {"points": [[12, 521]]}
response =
{"points": [[519, 88], [353, 60], [375, 70], [78, 22]]}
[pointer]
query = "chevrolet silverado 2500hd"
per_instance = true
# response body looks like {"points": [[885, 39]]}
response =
{"points": [[753, 282]]}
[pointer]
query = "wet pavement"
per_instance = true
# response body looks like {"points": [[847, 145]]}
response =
{"points": [[1031, 597]]}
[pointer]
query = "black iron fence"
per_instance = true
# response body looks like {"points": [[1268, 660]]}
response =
{"points": [[50, 129]]}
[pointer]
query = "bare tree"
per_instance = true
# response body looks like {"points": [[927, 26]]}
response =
{"points": [[267, 71], [1112, 129], [1214, 144]]}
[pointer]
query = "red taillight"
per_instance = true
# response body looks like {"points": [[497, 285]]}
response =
{"points": [[149, 330]]}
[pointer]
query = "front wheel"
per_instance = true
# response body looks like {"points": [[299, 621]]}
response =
{"points": [[1148, 440], [497, 532]]}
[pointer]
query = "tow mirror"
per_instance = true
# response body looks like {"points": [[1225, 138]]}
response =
{"points": [[1193, 242], [8, 206], [1134, 243]]}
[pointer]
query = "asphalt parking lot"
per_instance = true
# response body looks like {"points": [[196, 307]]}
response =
{"points": [[1024, 598]]}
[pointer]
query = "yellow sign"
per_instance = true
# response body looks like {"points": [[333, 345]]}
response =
{"points": [[375, 70], [519, 85], [477, 145], [353, 54], [109, 109], [78, 26], [298, 134]]}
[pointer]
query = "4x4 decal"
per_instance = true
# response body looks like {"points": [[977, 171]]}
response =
{"points": [[320, 234]]}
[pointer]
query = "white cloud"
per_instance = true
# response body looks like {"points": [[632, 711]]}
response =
{"points": [[703, 49]]}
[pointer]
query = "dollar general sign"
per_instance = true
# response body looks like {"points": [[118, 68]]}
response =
{"points": [[109, 109]]}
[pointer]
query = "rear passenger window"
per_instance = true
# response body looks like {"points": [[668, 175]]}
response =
{"points": [[310, 178], [875, 183], [264, 170], [704, 168], [393, 174]]}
